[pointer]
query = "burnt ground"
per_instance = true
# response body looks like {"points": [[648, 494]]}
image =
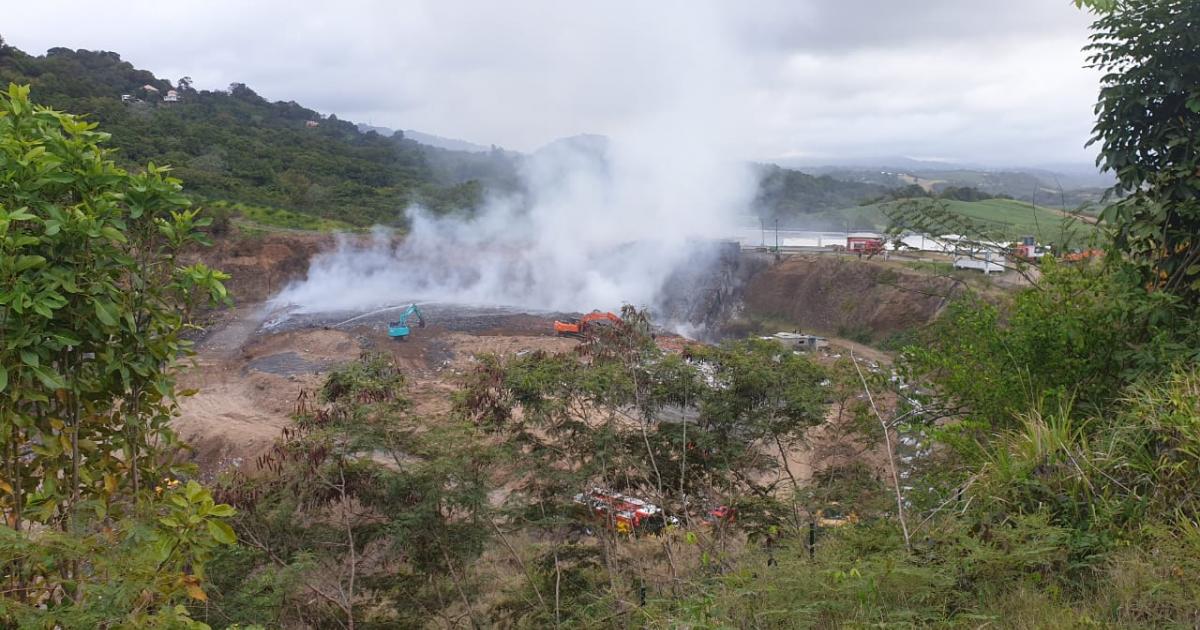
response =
{"points": [[447, 317]]}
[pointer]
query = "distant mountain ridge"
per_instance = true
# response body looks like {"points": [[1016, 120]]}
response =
{"points": [[383, 131], [450, 144], [1061, 185], [1081, 174], [428, 139]]}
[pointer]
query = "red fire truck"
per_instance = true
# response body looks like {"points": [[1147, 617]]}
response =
{"points": [[625, 514], [864, 243]]}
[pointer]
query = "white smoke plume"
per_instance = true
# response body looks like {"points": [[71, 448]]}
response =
{"points": [[605, 222]]}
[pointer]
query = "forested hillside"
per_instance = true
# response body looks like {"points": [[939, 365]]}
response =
{"points": [[237, 146], [795, 198]]}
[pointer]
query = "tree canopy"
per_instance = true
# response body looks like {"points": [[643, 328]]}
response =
{"points": [[1148, 131], [94, 302], [237, 146]]}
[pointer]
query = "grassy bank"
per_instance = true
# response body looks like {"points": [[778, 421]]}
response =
{"points": [[999, 218]]}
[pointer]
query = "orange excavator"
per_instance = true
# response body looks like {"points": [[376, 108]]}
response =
{"points": [[579, 327]]}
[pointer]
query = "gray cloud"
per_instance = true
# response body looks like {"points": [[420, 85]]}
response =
{"points": [[973, 80]]}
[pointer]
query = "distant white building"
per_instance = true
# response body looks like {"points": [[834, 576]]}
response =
{"points": [[312, 123], [987, 261]]}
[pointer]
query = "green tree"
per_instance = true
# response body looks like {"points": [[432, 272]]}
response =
{"points": [[93, 304], [1148, 129], [689, 433], [363, 513]]}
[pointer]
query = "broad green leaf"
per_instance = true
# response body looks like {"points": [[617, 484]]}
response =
{"points": [[49, 378], [222, 532], [59, 177], [106, 312], [29, 262], [67, 339], [113, 234], [222, 510]]}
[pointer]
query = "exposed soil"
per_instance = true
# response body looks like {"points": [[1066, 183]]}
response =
{"points": [[262, 264], [249, 376], [837, 295], [247, 385]]}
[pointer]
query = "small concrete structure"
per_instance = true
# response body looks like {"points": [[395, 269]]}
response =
{"points": [[799, 341], [171, 97], [986, 261]]}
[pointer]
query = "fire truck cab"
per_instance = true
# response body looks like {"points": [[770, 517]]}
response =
{"points": [[625, 514]]}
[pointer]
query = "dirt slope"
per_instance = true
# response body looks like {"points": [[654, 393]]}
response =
{"points": [[248, 380], [247, 386], [844, 296], [262, 264]]}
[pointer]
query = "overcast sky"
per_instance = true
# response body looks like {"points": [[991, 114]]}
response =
{"points": [[981, 81]]}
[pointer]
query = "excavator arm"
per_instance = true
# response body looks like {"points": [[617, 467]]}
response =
{"points": [[578, 327], [597, 316], [399, 329], [413, 310]]}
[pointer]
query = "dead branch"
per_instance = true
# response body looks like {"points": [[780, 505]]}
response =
{"points": [[891, 455]]}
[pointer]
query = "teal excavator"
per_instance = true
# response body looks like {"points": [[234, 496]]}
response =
{"points": [[399, 329]]}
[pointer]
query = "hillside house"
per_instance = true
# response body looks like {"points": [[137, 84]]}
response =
{"points": [[312, 123], [171, 97]]}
